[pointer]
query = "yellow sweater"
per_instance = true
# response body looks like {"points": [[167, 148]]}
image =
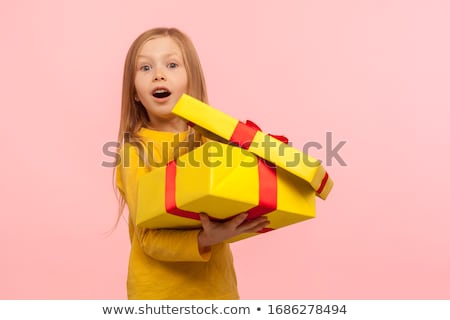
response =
{"points": [[166, 264]]}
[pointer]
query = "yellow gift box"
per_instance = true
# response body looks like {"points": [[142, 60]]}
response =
{"points": [[248, 136], [221, 180]]}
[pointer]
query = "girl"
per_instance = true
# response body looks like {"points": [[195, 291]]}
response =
{"points": [[160, 66]]}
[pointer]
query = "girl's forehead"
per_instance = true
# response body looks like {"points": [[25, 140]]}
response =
{"points": [[160, 46]]}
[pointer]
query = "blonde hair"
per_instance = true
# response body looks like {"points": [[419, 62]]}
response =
{"points": [[133, 114]]}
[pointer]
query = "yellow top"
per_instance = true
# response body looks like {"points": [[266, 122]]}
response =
{"points": [[164, 263]]}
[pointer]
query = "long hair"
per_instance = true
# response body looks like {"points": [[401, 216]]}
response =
{"points": [[133, 114]]}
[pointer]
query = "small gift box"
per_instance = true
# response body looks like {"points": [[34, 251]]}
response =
{"points": [[221, 180], [250, 137]]}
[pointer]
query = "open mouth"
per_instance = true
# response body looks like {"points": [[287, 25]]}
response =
{"points": [[161, 93]]}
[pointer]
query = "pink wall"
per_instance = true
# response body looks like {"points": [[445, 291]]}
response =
{"points": [[374, 73]]}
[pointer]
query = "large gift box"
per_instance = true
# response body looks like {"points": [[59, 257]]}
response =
{"points": [[248, 136], [221, 180]]}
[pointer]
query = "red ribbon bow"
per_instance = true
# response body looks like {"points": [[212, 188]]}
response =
{"points": [[244, 133]]}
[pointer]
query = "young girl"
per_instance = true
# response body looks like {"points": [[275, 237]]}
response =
{"points": [[160, 66]]}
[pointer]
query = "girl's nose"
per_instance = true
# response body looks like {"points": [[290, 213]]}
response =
{"points": [[159, 76]]}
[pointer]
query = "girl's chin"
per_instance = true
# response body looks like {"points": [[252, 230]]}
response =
{"points": [[163, 111]]}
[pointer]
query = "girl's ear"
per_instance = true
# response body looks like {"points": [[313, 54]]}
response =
{"points": [[136, 99]]}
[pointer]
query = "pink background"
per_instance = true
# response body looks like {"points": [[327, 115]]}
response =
{"points": [[374, 73]]}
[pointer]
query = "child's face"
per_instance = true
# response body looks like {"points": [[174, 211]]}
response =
{"points": [[161, 78]]}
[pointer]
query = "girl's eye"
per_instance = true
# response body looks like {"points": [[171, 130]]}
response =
{"points": [[146, 68], [172, 65]]}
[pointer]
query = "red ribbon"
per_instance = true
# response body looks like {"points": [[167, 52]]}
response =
{"points": [[267, 190], [244, 133], [323, 183], [170, 198], [267, 193]]}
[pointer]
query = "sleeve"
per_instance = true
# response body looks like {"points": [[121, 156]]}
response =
{"points": [[159, 244]]}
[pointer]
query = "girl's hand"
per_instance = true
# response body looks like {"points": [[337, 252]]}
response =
{"points": [[217, 232]]}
